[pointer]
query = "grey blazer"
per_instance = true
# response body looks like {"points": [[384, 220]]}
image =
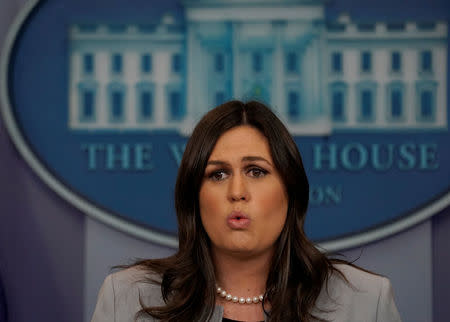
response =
{"points": [[369, 298]]}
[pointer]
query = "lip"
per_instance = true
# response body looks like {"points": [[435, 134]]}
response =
{"points": [[238, 220]]}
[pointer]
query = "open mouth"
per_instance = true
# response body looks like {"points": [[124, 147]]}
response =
{"points": [[237, 220]]}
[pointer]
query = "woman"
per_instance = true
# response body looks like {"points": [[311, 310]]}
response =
{"points": [[241, 198]]}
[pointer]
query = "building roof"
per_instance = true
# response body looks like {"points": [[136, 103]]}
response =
{"points": [[247, 3]]}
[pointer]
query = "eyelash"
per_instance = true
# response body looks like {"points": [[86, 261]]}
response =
{"points": [[263, 172]]}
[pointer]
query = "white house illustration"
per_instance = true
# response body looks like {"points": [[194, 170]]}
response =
{"points": [[317, 75]]}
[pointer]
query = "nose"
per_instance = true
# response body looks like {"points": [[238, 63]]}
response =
{"points": [[237, 189]]}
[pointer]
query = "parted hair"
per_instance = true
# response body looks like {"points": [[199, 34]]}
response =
{"points": [[298, 270]]}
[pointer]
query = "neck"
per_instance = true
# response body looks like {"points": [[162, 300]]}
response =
{"points": [[242, 275]]}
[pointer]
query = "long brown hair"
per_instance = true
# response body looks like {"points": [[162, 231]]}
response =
{"points": [[298, 271]]}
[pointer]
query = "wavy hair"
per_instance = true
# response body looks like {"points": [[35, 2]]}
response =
{"points": [[298, 270]]}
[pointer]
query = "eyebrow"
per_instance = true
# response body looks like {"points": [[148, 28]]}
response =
{"points": [[246, 158]]}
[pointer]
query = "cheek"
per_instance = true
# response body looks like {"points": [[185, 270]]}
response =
{"points": [[206, 199], [209, 205], [275, 199], [273, 202]]}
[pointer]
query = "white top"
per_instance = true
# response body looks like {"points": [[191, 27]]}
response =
{"points": [[369, 298]]}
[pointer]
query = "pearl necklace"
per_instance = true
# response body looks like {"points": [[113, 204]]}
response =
{"points": [[240, 300]]}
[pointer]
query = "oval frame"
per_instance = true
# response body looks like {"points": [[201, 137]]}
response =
{"points": [[417, 216]]}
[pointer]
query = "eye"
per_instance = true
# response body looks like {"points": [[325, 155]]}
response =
{"points": [[218, 175], [257, 172]]}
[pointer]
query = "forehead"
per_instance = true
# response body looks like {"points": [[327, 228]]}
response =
{"points": [[240, 141]]}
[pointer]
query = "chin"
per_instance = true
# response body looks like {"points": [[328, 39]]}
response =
{"points": [[243, 249], [235, 247]]}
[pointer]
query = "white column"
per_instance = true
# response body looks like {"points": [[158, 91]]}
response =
{"points": [[277, 82], [317, 111], [102, 63], [132, 77], [161, 76], [74, 93], [409, 73], [236, 61], [351, 104], [381, 58], [308, 81], [190, 70], [323, 71], [440, 54]]}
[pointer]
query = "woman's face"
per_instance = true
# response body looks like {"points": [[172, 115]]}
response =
{"points": [[243, 202]]}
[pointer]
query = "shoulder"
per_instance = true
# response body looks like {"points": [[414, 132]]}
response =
{"points": [[122, 292], [352, 294], [134, 278], [358, 279]]}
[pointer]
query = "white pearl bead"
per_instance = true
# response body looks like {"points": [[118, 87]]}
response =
{"points": [[241, 300]]}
